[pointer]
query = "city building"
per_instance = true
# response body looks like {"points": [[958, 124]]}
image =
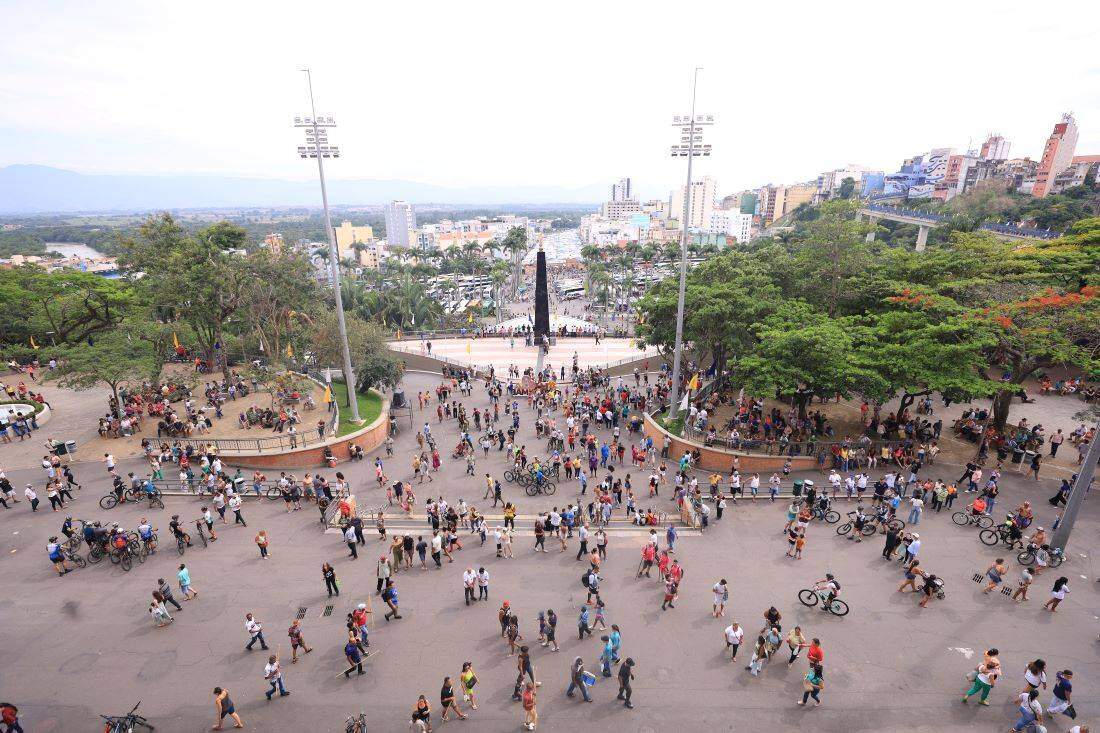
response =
{"points": [[829, 182], [400, 224], [1076, 174], [775, 202], [918, 176], [703, 191], [995, 147], [349, 235], [1057, 155], [732, 223], [621, 191], [620, 209]]}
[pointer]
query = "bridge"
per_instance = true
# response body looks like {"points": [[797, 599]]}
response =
{"points": [[924, 221]]}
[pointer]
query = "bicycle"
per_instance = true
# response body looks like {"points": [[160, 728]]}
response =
{"points": [[1027, 556], [1006, 532], [356, 723], [109, 501], [127, 723], [72, 557], [200, 525], [811, 598], [546, 487], [867, 530], [965, 519]]}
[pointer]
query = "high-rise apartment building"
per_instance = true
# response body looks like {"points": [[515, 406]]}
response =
{"points": [[733, 223], [400, 224], [1057, 155], [703, 192], [348, 235], [621, 191], [995, 147]]}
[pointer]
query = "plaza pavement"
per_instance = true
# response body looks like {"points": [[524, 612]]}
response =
{"points": [[500, 351], [83, 645]]}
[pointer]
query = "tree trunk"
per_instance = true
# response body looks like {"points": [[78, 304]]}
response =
{"points": [[1002, 402]]}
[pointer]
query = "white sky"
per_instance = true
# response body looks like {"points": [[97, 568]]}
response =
{"points": [[566, 93]]}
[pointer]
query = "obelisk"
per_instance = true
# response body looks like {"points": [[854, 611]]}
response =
{"points": [[542, 307]]}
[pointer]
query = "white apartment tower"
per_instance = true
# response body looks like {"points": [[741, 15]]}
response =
{"points": [[703, 192], [400, 224], [621, 191]]}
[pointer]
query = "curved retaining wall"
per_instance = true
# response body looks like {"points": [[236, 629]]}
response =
{"points": [[720, 459], [368, 438]]}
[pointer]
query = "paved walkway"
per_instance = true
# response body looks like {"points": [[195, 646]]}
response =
{"points": [[889, 666]]}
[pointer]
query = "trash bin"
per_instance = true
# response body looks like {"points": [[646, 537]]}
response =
{"points": [[1017, 455], [70, 446], [1028, 455], [797, 490]]}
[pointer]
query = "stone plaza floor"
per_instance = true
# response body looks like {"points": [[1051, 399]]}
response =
{"points": [[500, 351], [84, 645]]}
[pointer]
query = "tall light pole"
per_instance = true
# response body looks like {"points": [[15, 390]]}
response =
{"points": [[317, 146], [1077, 493], [691, 146]]}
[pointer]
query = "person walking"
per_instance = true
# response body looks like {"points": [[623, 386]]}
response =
{"points": [[447, 700], [223, 706], [184, 578], [626, 674], [734, 635], [297, 640], [812, 685], [984, 679], [261, 542], [468, 680], [354, 657], [1031, 712], [389, 597], [383, 570], [329, 574], [422, 716], [721, 597], [578, 679], [759, 656], [273, 673], [349, 539], [1062, 695], [1057, 594], [530, 712], [235, 503], [582, 622], [255, 632], [165, 592]]}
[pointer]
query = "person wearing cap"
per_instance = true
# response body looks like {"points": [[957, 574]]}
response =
{"points": [[503, 615], [57, 557], [359, 620]]}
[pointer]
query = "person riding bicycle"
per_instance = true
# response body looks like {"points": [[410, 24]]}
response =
{"points": [[540, 477], [150, 490], [830, 585], [1037, 539], [177, 530], [821, 506], [119, 540], [977, 507], [145, 532]]}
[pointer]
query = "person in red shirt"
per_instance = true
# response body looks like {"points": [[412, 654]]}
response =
{"points": [[815, 654]]}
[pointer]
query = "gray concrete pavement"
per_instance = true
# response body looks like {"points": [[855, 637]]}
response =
{"points": [[83, 645]]}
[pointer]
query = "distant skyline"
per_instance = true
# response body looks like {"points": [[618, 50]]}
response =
{"points": [[503, 94]]}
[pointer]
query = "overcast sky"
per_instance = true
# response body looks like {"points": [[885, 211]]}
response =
{"points": [[565, 93]]}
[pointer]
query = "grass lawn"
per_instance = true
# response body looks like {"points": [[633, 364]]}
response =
{"points": [[370, 407]]}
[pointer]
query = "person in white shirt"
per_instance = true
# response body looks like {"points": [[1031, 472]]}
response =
{"points": [[350, 539], [917, 505], [32, 497], [721, 595], [255, 630], [734, 636], [469, 580], [273, 673]]}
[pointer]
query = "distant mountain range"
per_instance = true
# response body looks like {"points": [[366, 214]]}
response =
{"points": [[32, 189]]}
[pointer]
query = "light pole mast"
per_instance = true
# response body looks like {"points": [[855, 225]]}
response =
{"points": [[1077, 493], [317, 147], [691, 134]]}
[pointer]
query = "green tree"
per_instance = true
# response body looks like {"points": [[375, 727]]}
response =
{"points": [[847, 188], [114, 358]]}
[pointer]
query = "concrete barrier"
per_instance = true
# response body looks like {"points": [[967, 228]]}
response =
{"points": [[721, 459]]}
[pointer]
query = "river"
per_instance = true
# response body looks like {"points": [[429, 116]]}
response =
{"points": [[72, 249]]}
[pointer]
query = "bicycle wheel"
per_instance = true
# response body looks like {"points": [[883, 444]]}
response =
{"points": [[838, 607], [896, 524], [273, 493], [832, 517], [78, 561], [960, 519], [108, 502], [807, 597], [532, 490], [844, 528], [523, 479], [202, 536], [1056, 560], [73, 543], [549, 488], [1027, 557], [95, 554], [985, 521], [868, 529], [156, 503], [509, 476], [114, 557], [142, 552], [181, 546], [989, 537], [126, 562]]}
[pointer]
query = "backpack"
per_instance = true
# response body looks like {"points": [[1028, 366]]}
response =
{"points": [[837, 584], [584, 579]]}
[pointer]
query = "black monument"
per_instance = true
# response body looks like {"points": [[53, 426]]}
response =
{"points": [[542, 300]]}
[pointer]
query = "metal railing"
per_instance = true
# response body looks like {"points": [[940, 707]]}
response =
{"points": [[272, 443], [805, 448]]}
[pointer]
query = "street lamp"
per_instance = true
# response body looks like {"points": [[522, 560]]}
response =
{"points": [[317, 146], [691, 146]]}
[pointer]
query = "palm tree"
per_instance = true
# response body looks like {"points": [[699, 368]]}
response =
{"points": [[490, 248], [515, 244], [591, 253], [499, 275]]}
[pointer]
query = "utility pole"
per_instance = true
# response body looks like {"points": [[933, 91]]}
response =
{"points": [[317, 147], [691, 134], [1077, 493]]}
